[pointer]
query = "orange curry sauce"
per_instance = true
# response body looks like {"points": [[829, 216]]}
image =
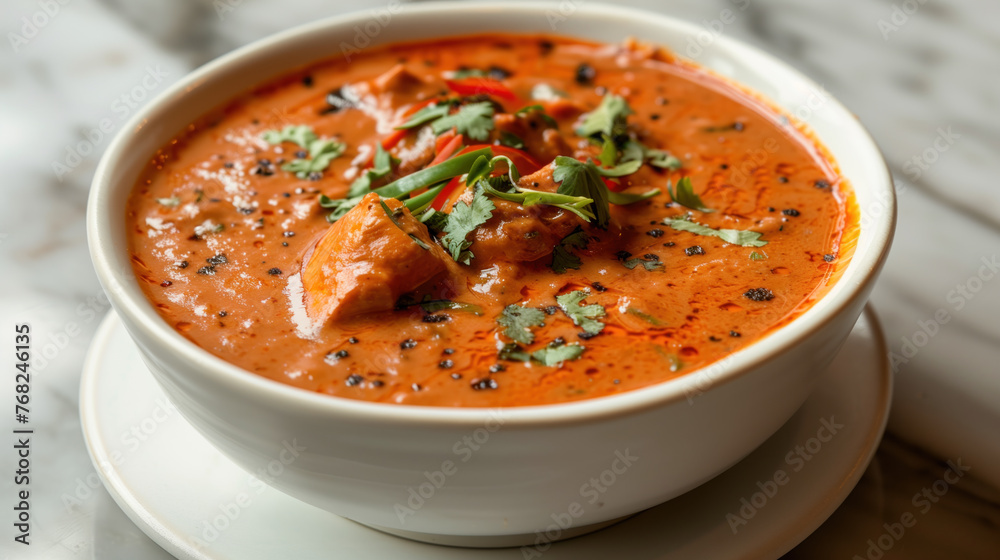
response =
{"points": [[219, 231]]}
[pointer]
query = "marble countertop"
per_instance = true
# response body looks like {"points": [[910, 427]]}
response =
{"points": [[922, 75]]}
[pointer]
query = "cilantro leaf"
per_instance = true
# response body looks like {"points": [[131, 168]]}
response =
{"points": [[462, 220], [583, 180], [529, 197], [431, 305], [552, 355], [426, 177], [518, 321], [583, 316], [661, 158], [511, 140], [302, 135], [645, 316], [394, 218], [474, 120], [512, 351], [620, 170], [382, 166], [321, 151], [649, 264], [484, 166], [427, 114], [608, 118], [745, 238], [755, 256], [556, 355], [562, 258], [635, 150], [685, 196], [463, 73], [523, 112], [609, 152]]}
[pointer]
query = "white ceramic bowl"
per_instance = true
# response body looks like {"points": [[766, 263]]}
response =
{"points": [[478, 476]]}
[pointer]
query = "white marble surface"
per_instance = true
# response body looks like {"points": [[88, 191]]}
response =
{"points": [[936, 75]]}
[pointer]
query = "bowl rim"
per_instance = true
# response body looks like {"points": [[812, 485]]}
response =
{"points": [[857, 277]]}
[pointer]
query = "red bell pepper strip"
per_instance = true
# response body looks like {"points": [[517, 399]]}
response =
{"points": [[526, 165], [449, 148], [478, 86], [396, 136], [612, 185], [442, 196]]}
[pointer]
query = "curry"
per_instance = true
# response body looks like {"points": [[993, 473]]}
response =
{"points": [[498, 220]]}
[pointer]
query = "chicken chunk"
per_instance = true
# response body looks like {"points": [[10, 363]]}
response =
{"points": [[365, 262]]}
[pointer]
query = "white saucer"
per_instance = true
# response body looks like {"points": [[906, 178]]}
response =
{"points": [[174, 485]]}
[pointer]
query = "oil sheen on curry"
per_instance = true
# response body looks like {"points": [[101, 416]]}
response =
{"points": [[498, 220]]}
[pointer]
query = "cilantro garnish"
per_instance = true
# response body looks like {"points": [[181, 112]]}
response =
{"points": [[562, 258], [581, 179], [463, 73], [474, 120], [394, 218], [523, 112], [517, 322], [685, 196], [528, 197], [745, 238], [484, 166], [607, 119], [321, 151], [432, 305], [556, 355], [428, 177], [755, 256], [645, 316], [583, 316], [381, 166], [511, 140], [512, 351], [463, 219], [302, 135], [609, 152], [634, 150], [648, 264], [427, 114]]}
